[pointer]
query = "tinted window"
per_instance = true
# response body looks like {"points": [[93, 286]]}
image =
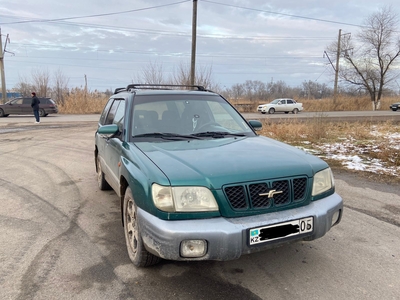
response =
{"points": [[119, 114], [112, 112], [17, 101], [105, 111], [290, 101]]}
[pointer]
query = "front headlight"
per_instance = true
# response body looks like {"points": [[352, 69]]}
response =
{"points": [[323, 181], [183, 198]]}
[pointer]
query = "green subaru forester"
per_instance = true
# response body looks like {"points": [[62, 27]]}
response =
{"points": [[196, 182]]}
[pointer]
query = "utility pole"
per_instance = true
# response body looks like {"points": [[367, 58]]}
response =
{"points": [[335, 89], [3, 79], [194, 33]]}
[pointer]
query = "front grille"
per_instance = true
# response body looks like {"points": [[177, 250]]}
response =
{"points": [[268, 194]]}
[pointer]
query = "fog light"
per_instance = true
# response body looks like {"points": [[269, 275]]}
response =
{"points": [[193, 248], [335, 218]]}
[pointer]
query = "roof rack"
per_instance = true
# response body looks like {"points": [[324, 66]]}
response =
{"points": [[163, 86], [117, 90]]}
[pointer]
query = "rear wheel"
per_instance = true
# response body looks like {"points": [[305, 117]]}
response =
{"points": [[271, 110], [286, 112], [138, 254], [394, 109], [42, 113], [2, 114], [101, 180], [295, 111]]}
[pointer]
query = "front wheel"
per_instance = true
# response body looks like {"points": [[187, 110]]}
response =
{"points": [[295, 111], [394, 109], [271, 111], [138, 254]]}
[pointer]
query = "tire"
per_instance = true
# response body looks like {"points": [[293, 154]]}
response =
{"points": [[42, 113], [295, 111], [101, 180], [2, 114], [271, 110], [263, 112], [138, 254], [394, 109], [286, 112]]}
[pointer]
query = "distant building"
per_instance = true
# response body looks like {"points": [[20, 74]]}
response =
{"points": [[11, 95]]}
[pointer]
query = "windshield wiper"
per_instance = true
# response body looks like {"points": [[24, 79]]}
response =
{"points": [[217, 134], [167, 136]]}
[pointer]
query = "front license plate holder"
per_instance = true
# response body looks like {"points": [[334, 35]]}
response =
{"points": [[278, 231]]}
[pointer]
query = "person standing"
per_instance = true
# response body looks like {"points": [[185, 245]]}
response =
{"points": [[35, 106]]}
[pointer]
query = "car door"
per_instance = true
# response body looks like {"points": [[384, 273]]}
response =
{"points": [[113, 150], [14, 107], [26, 107], [110, 147], [290, 105], [281, 105]]}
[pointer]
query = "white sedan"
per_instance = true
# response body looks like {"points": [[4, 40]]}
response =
{"points": [[281, 105]]}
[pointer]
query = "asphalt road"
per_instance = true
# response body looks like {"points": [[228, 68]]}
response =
{"points": [[61, 238]]}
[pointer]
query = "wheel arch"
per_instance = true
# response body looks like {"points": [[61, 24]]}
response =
{"points": [[123, 185], [96, 152]]}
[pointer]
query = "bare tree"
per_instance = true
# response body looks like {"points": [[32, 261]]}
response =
{"points": [[203, 76], [152, 74], [41, 79], [24, 87], [368, 61], [60, 86]]}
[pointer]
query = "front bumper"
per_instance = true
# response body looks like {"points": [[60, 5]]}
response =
{"points": [[227, 238]]}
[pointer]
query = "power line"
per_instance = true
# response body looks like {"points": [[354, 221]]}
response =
{"points": [[282, 14], [97, 15]]}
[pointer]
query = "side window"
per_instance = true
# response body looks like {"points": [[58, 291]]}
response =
{"points": [[290, 102], [27, 101], [17, 101], [283, 102], [119, 114], [111, 113], [105, 111]]}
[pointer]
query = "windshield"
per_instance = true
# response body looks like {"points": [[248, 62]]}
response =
{"points": [[184, 116]]}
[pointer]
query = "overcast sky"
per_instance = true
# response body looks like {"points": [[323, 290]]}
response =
{"points": [[111, 42]]}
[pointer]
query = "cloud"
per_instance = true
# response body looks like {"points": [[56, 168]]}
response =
{"points": [[241, 40]]}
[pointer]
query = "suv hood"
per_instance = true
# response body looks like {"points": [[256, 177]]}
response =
{"points": [[214, 163]]}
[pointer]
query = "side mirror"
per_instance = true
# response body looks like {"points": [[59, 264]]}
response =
{"points": [[257, 125], [108, 130]]}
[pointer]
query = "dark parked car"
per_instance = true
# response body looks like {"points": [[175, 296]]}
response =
{"points": [[22, 106], [395, 106], [195, 181]]}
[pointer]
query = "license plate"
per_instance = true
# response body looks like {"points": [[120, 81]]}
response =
{"points": [[281, 230]]}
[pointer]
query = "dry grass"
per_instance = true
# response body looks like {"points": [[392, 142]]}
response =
{"points": [[80, 102]]}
